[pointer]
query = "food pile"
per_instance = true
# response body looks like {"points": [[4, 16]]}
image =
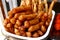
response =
{"points": [[30, 19]]}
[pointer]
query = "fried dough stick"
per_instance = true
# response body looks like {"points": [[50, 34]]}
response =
{"points": [[21, 8], [35, 27], [34, 5], [28, 17], [34, 21]]}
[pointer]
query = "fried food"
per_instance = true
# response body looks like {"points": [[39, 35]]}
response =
{"points": [[30, 19], [20, 9], [34, 21], [43, 29], [34, 28], [13, 20], [26, 24], [40, 32], [35, 35], [28, 34]]}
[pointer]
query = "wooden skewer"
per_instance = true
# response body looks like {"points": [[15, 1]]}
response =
{"points": [[34, 5], [22, 3], [46, 5], [39, 5], [51, 6]]}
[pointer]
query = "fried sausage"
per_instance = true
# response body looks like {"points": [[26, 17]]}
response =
{"points": [[26, 24], [40, 32], [18, 22], [35, 35], [34, 21], [28, 17], [43, 29], [13, 20], [28, 34], [34, 28], [21, 8]]}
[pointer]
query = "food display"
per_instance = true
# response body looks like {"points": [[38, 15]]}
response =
{"points": [[30, 19]]}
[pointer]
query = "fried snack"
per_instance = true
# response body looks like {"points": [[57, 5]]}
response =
{"points": [[16, 26], [34, 5], [34, 21], [17, 32], [26, 24], [6, 21], [44, 17], [21, 28], [20, 9], [35, 35], [9, 25], [18, 22], [34, 28], [47, 23], [23, 33], [13, 20], [28, 17], [10, 14], [16, 15], [28, 34], [43, 29], [40, 14], [40, 32]]}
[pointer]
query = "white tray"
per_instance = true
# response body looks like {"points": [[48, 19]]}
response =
{"points": [[28, 38]]}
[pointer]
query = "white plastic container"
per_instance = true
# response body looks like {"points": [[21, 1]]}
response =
{"points": [[28, 38]]}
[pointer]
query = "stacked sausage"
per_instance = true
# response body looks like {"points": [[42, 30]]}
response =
{"points": [[29, 19]]}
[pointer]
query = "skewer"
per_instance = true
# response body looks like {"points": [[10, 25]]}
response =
{"points": [[22, 3], [39, 5], [51, 6], [46, 5], [34, 5]]}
